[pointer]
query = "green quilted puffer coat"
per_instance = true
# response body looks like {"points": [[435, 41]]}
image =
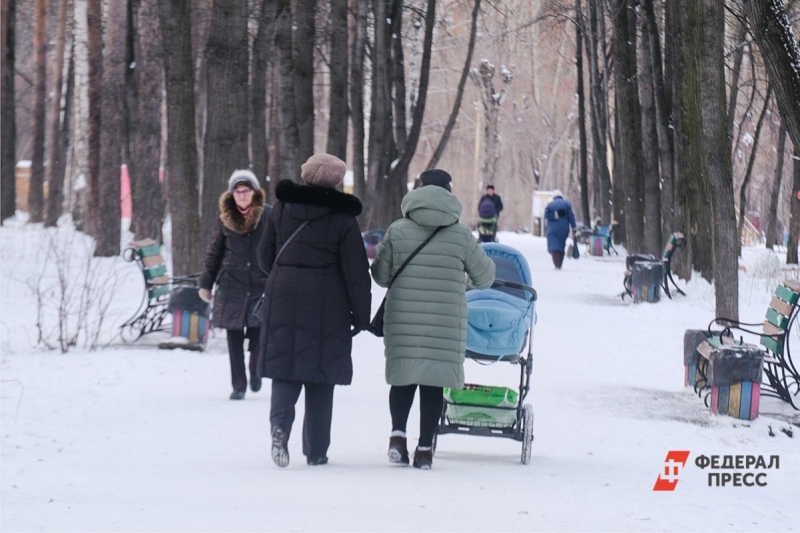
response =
{"points": [[425, 321]]}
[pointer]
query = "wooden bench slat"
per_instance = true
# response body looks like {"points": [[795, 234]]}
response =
{"points": [[142, 243], [792, 284], [780, 306], [787, 295], [777, 319], [772, 329], [772, 345], [153, 260], [704, 349], [160, 280]]}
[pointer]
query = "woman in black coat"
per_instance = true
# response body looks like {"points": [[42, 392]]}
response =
{"points": [[232, 262], [317, 298]]}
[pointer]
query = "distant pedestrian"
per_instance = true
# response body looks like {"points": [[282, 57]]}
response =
{"points": [[560, 220], [425, 321], [495, 198], [316, 299], [232, 263]]}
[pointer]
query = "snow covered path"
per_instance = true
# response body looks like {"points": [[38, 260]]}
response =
{"points": [[131, 438]]}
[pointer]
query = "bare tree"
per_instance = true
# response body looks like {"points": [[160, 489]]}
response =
{"points": [[337, 102], [772, 216], [751, 162], [289, 136], [629, 126], [36, 190], [303, 79], [176, 27], [715, 127], [94, 45], [650, 147], [794, 218], [8, 191], [583, 178], [598, 96], [462, 82], [143, 166], [111, 141], [58, 151], [262, 44], [226, 138], [358, 53]]}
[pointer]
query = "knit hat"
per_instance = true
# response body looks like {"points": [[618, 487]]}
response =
{"points": [[436, 176], [243, 176], [556, 192], [323, 170]]}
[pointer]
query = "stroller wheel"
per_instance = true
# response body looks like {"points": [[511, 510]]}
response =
{"points": [[527, 433]]}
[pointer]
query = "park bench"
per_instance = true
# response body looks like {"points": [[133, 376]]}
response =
{"points": [[153, 312], [601, 241], [780, 372], [644, 279]]}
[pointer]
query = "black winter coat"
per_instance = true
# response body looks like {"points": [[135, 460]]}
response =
{"points": [[232, 262], [318, 294]]}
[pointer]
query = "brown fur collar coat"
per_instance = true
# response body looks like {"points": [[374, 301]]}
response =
{"points": [[232, 219]]}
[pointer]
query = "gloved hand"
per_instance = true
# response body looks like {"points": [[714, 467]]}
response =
{"points": [[204, 294]]}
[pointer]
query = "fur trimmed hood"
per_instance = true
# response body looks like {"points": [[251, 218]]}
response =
{"points": [[232, 219], [292, 193]]}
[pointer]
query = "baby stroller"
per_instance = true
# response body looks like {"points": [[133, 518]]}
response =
{"points": [[500, 325], [487, 229]]}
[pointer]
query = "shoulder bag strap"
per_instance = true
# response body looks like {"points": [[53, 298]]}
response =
{"points": [[303, 225], [415, 252]]}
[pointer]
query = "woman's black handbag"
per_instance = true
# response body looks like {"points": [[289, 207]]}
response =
{"points": [[376, 324], [575, 252]]}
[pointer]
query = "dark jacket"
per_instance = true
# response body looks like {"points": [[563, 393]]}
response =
{"points": [[560, 218], [498, 203], [232, 262], [320, 288]]}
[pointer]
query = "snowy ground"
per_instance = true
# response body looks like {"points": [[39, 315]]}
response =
{"points": [[131, 438]]}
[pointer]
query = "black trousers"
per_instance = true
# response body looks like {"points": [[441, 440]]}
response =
{"points": [[558, 258], [317, 420], [430, 410], [236, 339]]}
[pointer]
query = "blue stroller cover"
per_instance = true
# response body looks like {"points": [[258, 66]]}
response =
{"points": [[500, 317]]}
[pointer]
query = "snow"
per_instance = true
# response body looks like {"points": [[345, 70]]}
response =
{"points": [[131, 438]]}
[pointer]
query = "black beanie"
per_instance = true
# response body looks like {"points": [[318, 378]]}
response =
{"points": [[436, 176]]}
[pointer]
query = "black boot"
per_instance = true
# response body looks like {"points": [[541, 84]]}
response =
{"points": [[398, 451], [280, 453], [423, 459], [237, 395], [255, 383]]}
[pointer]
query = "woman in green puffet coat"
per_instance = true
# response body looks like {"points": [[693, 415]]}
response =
{"points": [[425, 321]]}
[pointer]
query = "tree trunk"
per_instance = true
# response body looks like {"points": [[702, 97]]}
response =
{"points": [[58, 151], [583, 178], [775, 38], [462, 82], [8, 156], [94, 45], [143, 166], [598, 97], [337, 121], [385, 206], [738, 55], [182, 182], [262, 45], [397, 68], [225, 143], [772, 217], [666, 152], [289, 136], [357, 99], [111, 146], [749, 172], [36, 190], [694, 189], [715, 126], [794, 211], [650, 149], [303, 50], [629, 148]]}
